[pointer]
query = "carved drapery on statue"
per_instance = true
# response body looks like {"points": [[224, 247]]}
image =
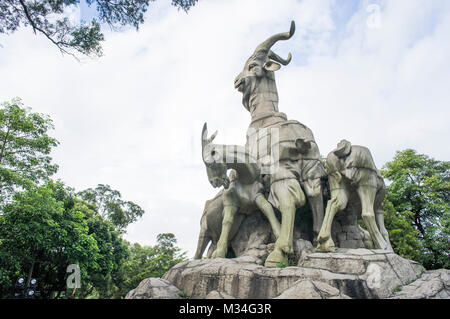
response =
{"points": [[280, 171]]}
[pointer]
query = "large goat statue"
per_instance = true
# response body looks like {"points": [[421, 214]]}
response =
{"points": [[243, 189], [295, 168], [351, 168]]}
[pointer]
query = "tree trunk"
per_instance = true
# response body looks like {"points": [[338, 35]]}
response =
{"points": [[30, 273]]}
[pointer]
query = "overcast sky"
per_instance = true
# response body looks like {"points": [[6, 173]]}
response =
{"points": [[373, 72]]}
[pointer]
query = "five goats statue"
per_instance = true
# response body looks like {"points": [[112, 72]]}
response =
{"points": [[289, 169]]}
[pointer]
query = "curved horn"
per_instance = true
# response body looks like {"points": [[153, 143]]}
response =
{"points": [[204, 135], [266, 45], [273, 56], [205, 139]]}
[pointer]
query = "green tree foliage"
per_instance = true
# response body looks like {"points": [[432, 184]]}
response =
{"points": [[41, 235], [419, 192], [108, 203], [402, 234], [150, 261], [24, 148], [47, 17], [47, 228], [106, 279]]}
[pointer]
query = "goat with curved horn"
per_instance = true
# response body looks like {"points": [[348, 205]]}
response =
{"points": [[257, 80], [243, 192], [292, 180]]}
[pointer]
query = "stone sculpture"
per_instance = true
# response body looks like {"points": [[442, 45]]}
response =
{"points": [[260, 97], [244, 191], [277, 173], [286, 175], [350, 169]]}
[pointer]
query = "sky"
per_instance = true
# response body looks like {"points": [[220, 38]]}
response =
{"points": [[376, 73]]}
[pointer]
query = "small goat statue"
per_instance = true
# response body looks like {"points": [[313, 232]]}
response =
{"points": [[350, 169], [244, 191]]}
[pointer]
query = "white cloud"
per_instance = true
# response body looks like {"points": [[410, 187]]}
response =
{"points": [[133, 118]]}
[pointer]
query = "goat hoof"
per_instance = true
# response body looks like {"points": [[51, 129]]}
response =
{"points": [[218, 253], [325, 245], [288, 249], [276, 259]]}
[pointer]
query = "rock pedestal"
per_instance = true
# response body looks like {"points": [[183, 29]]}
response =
{"points": [[431, 285], [347, 273], [154, 288], [354, 273]]}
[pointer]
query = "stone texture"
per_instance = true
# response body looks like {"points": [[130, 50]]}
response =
{"points": [[345, 231], [253, 232], [433, 284], [308, 289], [301, 248], [347, 273], [218, 295], [418, 268], [356, 273], [154, 288], [254, 241]]}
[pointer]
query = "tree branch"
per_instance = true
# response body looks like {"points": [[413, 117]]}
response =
{"points": [[4, 145], [48, 36], [28, 16]]}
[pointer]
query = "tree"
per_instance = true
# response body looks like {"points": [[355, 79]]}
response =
{"points": [[24, 148], [45, 229], [150, 261], [420, 195], [103, 280], [166, 253], [402, 234], [40, 235], [108, 203], [47, 17]]}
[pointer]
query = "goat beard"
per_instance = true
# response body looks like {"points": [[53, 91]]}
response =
{"points": [[245, 102], [246, 99]]}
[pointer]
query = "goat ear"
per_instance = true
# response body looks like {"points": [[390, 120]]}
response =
{"points": [[272, 66], [213, 137]]}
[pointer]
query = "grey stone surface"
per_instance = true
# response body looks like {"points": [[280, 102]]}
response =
{"points": [[154, 288], [417, 268], [253, 235], [301, 248], [356, 273], [434, 284], [218, 295], [309, 289]]}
